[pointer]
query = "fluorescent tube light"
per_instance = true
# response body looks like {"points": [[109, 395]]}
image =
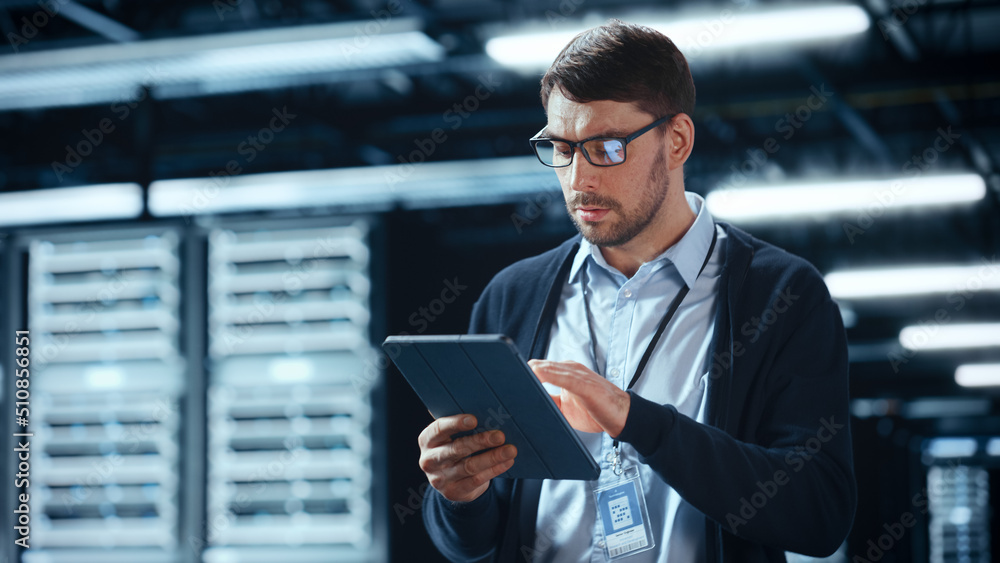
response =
{"points": [[916, 280], [64, 205], [952, 447], [784, 26], [528, 49], [953, 336], [821, 200], [724, 31], [228, 62], [978, 375], [993, 447], [420, 185]]}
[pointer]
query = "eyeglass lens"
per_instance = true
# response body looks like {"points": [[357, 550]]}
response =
{"points": [[602, 152]]}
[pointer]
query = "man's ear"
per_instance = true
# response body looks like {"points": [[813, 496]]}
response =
{"points": [[679, 140]]}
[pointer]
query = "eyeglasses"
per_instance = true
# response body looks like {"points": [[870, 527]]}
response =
{"points": [[599, 151]]}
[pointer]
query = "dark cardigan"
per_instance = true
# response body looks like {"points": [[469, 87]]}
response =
{"points": [[771, 469]]}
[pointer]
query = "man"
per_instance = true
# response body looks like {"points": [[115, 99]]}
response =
{"points": [[708, 364]]}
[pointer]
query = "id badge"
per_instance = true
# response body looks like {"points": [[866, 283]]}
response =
{"points": [[622, 509]]}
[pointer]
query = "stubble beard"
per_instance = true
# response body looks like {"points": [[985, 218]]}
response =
{"points": [[631, 222]]}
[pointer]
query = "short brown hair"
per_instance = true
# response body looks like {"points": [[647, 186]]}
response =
{"points": [[623, 62]]}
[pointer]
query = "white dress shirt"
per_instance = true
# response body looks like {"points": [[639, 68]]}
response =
{"points": [[624, 313]]}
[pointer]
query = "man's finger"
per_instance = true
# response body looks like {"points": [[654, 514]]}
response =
{"points": [[484, 461], [485, 475], [468, 445], [441, 430], [560, 376], [470, 488], [452, 453], [471, 466]]}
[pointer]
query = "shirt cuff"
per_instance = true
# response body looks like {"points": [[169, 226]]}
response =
{"points": [[646, 424]]}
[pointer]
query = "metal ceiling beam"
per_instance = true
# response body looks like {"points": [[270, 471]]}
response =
{"points": [[893, 31], [82, 16], [980, 157], [98, 22], [850, 118]]}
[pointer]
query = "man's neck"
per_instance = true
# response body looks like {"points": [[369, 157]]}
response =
{"points": [[649, 244]]}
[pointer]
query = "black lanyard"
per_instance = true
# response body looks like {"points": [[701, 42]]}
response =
{"points": [[659, 330]]}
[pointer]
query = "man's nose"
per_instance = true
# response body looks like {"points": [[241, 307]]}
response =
{"points": [[583, 176]]}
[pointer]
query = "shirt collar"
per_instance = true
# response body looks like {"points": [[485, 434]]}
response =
{"points": [[687, 255]]}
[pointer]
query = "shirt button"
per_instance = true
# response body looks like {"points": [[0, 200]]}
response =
{"points": [[615, 372], [600, 544], [627, 293]]}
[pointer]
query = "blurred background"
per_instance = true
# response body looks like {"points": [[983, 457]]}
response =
{"points": [[211, 213]]}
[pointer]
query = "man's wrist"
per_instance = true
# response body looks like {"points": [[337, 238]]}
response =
{"points": [[646, 423], [625, 401]]}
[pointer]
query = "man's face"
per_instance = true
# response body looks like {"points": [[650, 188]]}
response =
{"points": [[609, 205]]}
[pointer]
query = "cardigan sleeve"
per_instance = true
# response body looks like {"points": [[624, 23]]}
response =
{"points": [[463, 531]]}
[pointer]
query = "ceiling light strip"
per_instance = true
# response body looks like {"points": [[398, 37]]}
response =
{"points": [[67, 205], [830, 199], [956, 280], [720, 32]]}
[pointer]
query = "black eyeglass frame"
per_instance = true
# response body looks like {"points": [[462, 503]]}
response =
{"points": [[572, 145]]}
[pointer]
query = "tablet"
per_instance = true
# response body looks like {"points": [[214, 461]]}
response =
{"points": [[484, 375]]}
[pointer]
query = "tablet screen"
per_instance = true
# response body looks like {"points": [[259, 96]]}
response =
{"points": [[484, 375]]}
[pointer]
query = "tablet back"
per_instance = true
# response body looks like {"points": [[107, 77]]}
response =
{"points": [[484, 375]]}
